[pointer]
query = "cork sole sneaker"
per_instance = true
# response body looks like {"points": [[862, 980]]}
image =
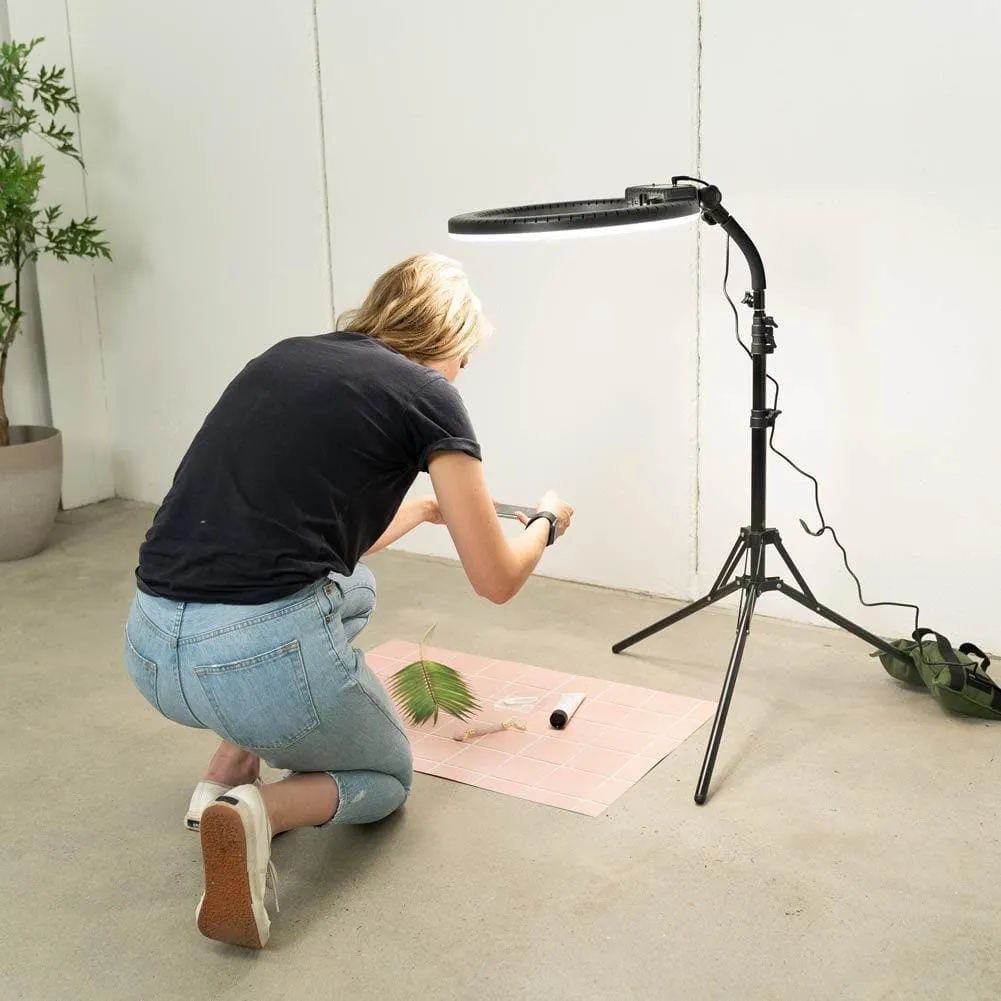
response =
{"points": [[204, 795], [232, 908]]}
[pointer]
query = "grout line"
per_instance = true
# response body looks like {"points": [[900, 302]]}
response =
{"points": [[327, 221], [520, 753]]}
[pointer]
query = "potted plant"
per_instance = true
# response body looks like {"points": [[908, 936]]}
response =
{"points": [[31, 103]]}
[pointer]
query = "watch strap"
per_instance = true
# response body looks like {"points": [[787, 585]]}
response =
{"points": [[553, 522]]}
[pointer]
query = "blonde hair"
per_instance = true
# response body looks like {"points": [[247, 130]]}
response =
{"points": [[424, 308]]}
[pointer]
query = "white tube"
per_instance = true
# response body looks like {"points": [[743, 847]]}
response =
{"points": [[565, 708]]}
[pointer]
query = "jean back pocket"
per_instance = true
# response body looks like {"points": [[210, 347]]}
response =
{"points": [[142, 670], [262, 702]]}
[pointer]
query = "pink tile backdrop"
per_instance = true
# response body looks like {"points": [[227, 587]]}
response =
{"points": [[619, 733]]}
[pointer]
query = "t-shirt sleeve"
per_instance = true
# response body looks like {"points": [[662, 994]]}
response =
{"points": [[438, 422]]}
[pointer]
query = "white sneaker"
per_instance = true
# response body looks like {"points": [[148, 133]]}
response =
{"points": [[206, 792], [236, 850]]}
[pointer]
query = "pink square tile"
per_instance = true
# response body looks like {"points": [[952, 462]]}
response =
{"points": [[435, 748], [571, 782], [529, 740], [702, 712], [671, 705], [682, 729], [634, 769], [416, 733], [479, 759], [382, 665], [564, 802], [397, 650], [611, 789], [597, 711], [600, 760], [556, 750], [660, 747], [496, 784], [423, 764], [542, 678], [581, 730], [625, 695], [437, 653], [646, 722], [592, 687], [504, 670], [465, 663], [446, 770], [616, 738], [488, 690], [526, 771]]}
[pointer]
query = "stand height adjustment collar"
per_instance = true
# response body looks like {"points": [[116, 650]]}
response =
{"points": [[762, 336], [761, 419]]}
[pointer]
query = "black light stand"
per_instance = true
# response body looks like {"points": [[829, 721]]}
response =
{"points": [[665, 204], [756, 538]]}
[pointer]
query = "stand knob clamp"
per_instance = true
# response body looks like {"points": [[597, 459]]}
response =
{"points": [[762, 337], [762, 326], [761, 419]]}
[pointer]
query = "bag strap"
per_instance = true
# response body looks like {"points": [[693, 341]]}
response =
{"points": [[985, 661], [980, 675], [957, 676], [957, 671]]}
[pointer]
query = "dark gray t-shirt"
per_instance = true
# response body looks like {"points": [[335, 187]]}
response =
{"points": [[298, 469]]}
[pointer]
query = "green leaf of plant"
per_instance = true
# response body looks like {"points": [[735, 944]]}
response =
{"points": [[34, 105], [426, 687]]}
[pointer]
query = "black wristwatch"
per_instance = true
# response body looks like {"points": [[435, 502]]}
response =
{"points": [[553, 522]]}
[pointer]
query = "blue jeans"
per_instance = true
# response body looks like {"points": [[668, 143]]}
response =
{"points": [[281, 680]]}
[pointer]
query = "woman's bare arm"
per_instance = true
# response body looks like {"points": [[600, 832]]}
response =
{"points": [[412, 513], [496, 566]]}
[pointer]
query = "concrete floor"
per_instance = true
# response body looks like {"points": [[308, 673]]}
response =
{"points": [[849, 851]]}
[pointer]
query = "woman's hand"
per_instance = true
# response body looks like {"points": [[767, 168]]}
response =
{"points": [[552, 502], [413, 512], [496, 566], [431, 511]]}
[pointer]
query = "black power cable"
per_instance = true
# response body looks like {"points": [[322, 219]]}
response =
{"points": [[824, 526]]}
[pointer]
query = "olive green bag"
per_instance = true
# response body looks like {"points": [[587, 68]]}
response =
{"points": [[958, 681]]}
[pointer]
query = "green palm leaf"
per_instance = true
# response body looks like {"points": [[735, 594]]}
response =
{"points": [[426, 687]]}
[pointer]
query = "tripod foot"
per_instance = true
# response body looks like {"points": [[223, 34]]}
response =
{"points": [[696, 606]]}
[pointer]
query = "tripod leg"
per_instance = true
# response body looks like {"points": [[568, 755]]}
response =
{"points": [[729, 682], [808, 601], [720, 589], [793, 569], [711, 598], [739, 548]]}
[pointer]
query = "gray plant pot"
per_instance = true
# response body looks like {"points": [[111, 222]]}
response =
{"points": [[31, 474]]}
